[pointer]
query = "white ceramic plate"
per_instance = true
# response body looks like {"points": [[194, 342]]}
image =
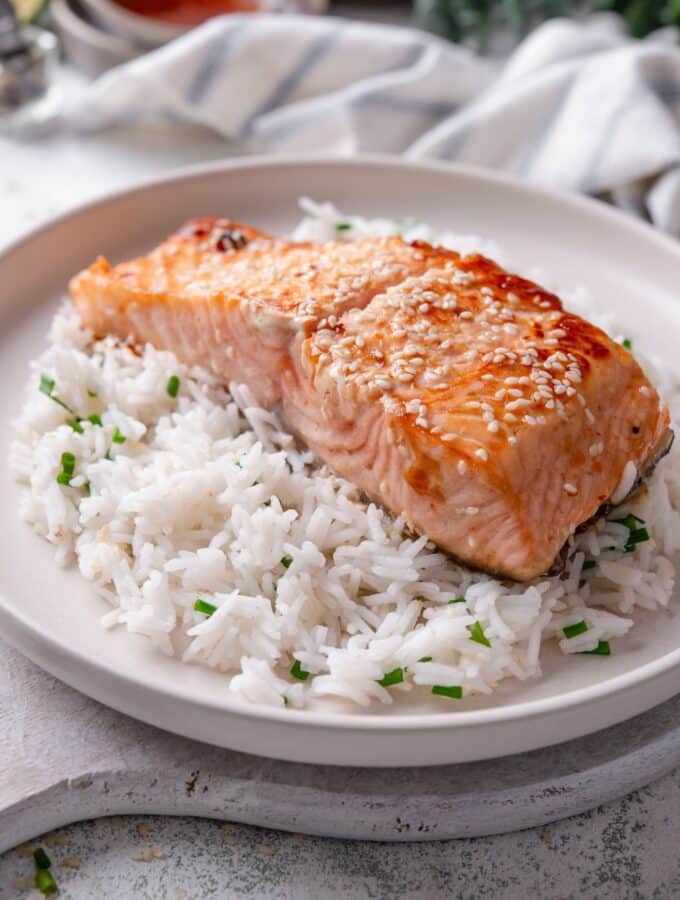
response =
{"points": [[51, 615]]}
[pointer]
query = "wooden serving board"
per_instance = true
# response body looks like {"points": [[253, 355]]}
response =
{"points": [[64, 757]]}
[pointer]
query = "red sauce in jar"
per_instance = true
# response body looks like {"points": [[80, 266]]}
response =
{"points": [[188, 12]]}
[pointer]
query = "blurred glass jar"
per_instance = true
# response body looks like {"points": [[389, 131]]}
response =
{"points": [[29, 99]]}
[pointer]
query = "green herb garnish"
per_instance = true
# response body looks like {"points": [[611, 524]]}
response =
{"points": [[396, 676], [286, 561], [173, 385], [117, 437], [95, 419], [454, 691], [630, 521], [42, 860], [638, 535], [425, 659], [45, 882], [572, 630], [204, 607], [627, 343], [47, 386], [75, 425], [92, 394], [457, 600], [477, 634], [68, 467], [602, 649], [298, 672], [343, 226]]}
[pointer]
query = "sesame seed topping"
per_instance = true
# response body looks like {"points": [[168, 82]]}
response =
{"points": [[570, 488], [482, 454]]}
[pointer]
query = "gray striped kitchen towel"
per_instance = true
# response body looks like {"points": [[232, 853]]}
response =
{"points": [[579, 105]]}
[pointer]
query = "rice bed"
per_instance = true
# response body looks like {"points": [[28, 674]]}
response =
{"points": [[317, 595]]}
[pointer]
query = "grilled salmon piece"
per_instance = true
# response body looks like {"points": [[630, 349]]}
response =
{"points": [[230, 298], [468, 400], [446, 388]]}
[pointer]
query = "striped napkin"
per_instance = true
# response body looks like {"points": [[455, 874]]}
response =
{"points": [[578, 105]]}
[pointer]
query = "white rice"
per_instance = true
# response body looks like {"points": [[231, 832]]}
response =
{"points": [[208, 494]]}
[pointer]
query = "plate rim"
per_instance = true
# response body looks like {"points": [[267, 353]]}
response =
{"points": [[19, 631]]}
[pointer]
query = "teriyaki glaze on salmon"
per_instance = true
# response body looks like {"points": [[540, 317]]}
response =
{"points": [[456, 394]]}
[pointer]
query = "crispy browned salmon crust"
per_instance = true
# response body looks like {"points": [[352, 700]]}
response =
{"points": [[451, 391]]}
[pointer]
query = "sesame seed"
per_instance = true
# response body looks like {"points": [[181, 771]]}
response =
{"points": [[518, 404], [482, 454], [570, 488], [461, 466]]}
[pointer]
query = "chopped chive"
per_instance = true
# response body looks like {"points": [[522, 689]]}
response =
{"points": [[630, 521], [425, 659], [396, 676], [627, 343], [86, 489], [42, 860], [285, 700], [477, 634], [588, 564], [602, 649], [92, 394], [238, 463], [572, 630], [108, 456], [75, 425], [457, 600], [95, 419], [68, 466], [298, 672], [454, 691], [637, 536], [203, 607], [46, 385], [173, 386], [343, 226], [117, 437], [286, 561], [45, 882]]}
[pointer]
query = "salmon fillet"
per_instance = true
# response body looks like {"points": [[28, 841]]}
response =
{"points": [[453, 392], [230, 298]]}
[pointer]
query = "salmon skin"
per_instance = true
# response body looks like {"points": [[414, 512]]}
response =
{"points": [[457, 394]]}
